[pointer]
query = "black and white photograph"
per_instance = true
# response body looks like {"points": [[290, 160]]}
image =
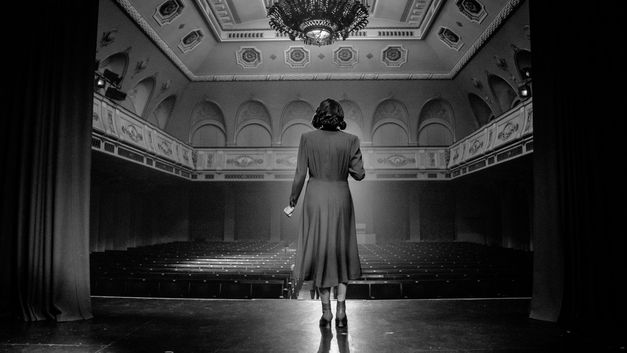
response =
{"points": [[300, 176]]}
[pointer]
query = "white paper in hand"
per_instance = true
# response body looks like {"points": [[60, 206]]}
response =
{"points": [[288, 211]]}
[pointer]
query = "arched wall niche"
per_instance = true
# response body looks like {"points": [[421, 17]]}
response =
{"points": [[141, 94], [117, 63], [353, 118], [390, 133], [253, 134], [522, 59], [162, 112], [390, 109], [208, 133], [503, 92], [437, 110], [435, 134], [296, 111], [252, 111], [207, 111], [480, 109], [291, 133]]}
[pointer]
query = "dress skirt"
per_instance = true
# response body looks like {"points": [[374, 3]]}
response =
{"points": [[327, 241]]}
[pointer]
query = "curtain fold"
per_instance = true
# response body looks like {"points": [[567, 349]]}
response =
{"points": [[46, 156], [579, 131]]}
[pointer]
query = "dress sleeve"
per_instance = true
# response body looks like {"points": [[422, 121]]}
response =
{"points": [[356, 168], [301, 172]]}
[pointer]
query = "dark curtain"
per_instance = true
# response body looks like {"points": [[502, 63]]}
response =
{"points": [[46, 159], [579, 134]]}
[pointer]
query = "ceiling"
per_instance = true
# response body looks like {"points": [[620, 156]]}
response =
{"points": [[230, 40]]}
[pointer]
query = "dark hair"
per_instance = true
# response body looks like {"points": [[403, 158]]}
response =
{"points": [[329, 116]]}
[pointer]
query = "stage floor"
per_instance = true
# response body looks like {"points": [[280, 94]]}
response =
{"points": [[275, 325]]}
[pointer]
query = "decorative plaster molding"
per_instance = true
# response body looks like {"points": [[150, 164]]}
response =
{"points": [[472, 50]]}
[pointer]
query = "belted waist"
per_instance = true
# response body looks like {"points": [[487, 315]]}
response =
{"points": [[312, 179]]}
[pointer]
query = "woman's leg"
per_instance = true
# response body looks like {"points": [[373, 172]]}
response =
{"points": [[325, 299], [341, 291], [340, 311]]}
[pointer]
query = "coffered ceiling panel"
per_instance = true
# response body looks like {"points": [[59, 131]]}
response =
{"points": [[223, 40]]}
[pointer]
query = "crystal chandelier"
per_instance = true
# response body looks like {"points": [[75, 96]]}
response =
{"points": [[318, 22]]}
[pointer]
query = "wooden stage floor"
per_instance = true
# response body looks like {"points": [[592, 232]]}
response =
{"points": [[275, 325]]}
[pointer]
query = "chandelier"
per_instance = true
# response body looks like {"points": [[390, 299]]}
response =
{"points": [[318, 22]]}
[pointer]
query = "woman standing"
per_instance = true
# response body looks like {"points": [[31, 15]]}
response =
{"points": [[327, 243]]}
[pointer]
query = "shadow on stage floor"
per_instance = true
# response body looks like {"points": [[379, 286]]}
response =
{"points": [[267, 325]]}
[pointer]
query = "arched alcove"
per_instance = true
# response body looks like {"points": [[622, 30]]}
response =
{"points": [[435, 134], [297, 110], [480, 109], [207, 111], [117, 63], [291, 134], [253, 111], [504, 94], [253, 135], [522, 58], [437, 110], [208, 135], [390, 134], [353, 118], [390, 109], [140, 95], [162, 112]]}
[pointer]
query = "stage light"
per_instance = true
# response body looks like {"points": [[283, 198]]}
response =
{"points": [[525, 72], [524, 91], [112, 77], [99, 82], [115, 94]]}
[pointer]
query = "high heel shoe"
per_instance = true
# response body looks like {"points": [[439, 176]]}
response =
{"points": [[327, 315], [340, 312]]}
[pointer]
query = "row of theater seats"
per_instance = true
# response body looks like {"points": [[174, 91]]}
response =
{"points": [[248, 269], [261, 269]]}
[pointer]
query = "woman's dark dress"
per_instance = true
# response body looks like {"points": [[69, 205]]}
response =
{"points": [[327, 241]]}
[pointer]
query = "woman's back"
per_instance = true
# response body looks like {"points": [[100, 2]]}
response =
{"points": [[329, 154]]}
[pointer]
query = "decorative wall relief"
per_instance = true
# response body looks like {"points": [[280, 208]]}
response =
{"points": [[185, 156], [167, 11], [190, 40], [245, 161], [109, 120], [472, 9], [129, 130], [108, 37], [345, 56], [394, 56], [396, 160], [140, 66], [97, 121], [286, 160], [248, 57], [450, 38], [528, 120], [509, 127], [297, 57], [164, 146]]}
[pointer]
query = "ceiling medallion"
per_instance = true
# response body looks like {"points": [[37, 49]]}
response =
{"points": [[318, 22]]}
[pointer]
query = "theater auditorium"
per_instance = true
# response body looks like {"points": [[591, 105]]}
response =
{"points": [[150, 147]]}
